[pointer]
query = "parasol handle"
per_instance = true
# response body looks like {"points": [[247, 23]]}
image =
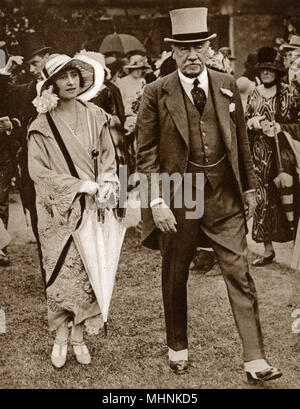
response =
{"points": [[105, 329], [95, 154], [280, 167]]}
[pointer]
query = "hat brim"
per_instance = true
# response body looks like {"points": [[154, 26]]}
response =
{"points": [[92, 74], [289, 47], [272, 66], [189, 41], [41, 50], [136, 67]]}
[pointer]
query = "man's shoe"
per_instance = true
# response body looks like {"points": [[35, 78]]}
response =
{"points": [[262, 261], [179, 367], [4, 260], [263, 376]]}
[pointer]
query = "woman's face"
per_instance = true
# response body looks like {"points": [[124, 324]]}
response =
{"points": [[138, 73], [267, 76], [68, 84]]}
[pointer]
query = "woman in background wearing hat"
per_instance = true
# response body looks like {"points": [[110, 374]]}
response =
{"points": [[82, 128], [131, 87], [272, 221]]}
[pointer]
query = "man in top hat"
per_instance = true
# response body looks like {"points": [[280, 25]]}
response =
{"points": [[191, 122], [35, 54]]}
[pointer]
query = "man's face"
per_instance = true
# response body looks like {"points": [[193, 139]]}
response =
{"points": [[288, 59], [36, 64], [190, 58]]}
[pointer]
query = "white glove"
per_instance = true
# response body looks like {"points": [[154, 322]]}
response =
{"points": [[89, 187], [254, 123]]}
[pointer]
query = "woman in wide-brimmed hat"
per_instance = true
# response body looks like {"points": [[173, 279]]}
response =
{"points": [[60, 143], [131, 87], [273, 100]]}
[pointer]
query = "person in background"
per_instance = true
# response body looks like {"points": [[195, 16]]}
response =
{"points": [[245, 87], [8, 149], [131, 87], [251, 69], [291, 54], [35, 55], [275, 101], [227, 53]]}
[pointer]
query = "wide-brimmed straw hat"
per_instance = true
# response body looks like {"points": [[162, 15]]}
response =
{"points": [[91, 71], [292, 45], [137, 62], [189, 26]]}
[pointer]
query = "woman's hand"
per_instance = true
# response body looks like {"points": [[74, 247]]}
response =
{"points": [[89, 187], [255, 122]]}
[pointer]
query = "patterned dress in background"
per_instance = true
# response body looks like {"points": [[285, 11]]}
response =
{"points": [[269, 221]]}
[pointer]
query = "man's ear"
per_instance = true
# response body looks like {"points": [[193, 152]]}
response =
{"points": [[172, 51]]}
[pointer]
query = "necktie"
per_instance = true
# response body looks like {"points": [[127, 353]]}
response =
{"points": [[199, 96]]}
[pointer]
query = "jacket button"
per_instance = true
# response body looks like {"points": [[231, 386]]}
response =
{"points": [[204, 134], [201, 123], [205, 147]]}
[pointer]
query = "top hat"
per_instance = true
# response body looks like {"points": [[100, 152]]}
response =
{"points": [[293, 43], [91, 71], [268, 57], [137, 62], [226, 51], [189, 26], [32, 44]]}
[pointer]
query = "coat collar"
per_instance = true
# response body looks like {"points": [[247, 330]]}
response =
{"points": [[175, 101]]}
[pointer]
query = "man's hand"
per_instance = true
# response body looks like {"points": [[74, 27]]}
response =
{"points": [[13, 61], [89, 187], [250, 199], [164, 218]]}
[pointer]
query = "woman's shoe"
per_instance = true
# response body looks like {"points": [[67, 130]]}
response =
{"points": [[263, 376], [262, 261], [82, 354], [59, 354]]}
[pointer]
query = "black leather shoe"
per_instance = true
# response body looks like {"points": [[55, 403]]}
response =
{"points": [[179, 367], [264, 376], [262, 261], [4, 260]]}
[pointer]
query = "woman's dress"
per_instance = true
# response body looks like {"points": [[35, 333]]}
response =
{"points": [[71, 296]]}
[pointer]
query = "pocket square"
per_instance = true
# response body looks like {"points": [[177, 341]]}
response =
{"points": [[227, 92], [232, 107]]}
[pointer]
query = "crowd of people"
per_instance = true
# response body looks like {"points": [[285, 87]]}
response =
{"points": [[65, 133]]}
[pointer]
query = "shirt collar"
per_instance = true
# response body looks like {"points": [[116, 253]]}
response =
{"points": [[202, 77]]}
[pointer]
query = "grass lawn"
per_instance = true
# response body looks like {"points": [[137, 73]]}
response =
{"points": [[134, 354]]}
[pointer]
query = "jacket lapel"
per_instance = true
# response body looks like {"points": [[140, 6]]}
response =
{"points": [[221, 102], [175, 102]]}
